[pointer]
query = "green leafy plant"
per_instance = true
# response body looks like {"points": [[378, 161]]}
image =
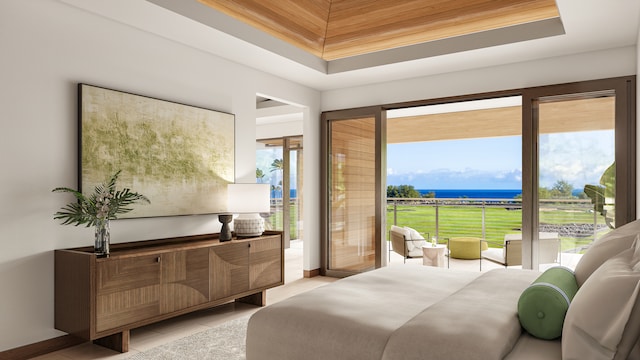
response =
{"points": [[105, 203], [602, 195]]}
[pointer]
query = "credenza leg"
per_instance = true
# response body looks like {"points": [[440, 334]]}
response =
{"points": [[118, 342], [259, 299]]}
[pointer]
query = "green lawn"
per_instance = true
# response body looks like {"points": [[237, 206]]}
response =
{"points": [[466, 220], [460, 221], [276, 220]]}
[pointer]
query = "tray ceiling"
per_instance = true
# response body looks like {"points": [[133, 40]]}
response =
{"points": [[338, 29], [583, 27]]}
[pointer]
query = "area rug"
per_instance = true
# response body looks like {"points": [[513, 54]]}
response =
{"points": [[224, 342]]}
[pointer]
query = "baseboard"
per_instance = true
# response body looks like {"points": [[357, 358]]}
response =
{"points": [[40, 348], [311, 273]]}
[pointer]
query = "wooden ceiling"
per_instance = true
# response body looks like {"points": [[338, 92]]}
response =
{"points": [[555, 117], [336, 29]]}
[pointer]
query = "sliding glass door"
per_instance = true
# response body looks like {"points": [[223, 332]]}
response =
{"points": [[578, 144], [576, 176], [582, 183], [353, 239]]}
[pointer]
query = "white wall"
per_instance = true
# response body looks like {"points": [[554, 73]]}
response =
{"points": [[47, 48], [578, 67], [276, 130]]}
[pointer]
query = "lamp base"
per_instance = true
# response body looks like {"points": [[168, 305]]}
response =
{"points": [[248, 227], [225, 231]]}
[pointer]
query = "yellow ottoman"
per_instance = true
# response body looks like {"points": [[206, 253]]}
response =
{"points": [[466, 248]]}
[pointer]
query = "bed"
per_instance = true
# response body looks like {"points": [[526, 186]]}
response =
{"points": [[409, 312]]}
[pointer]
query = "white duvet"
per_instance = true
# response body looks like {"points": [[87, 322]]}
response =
{"points": [[396, 313]]}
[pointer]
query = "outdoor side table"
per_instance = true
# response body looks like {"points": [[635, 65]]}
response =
{"points": [[434, 255]]}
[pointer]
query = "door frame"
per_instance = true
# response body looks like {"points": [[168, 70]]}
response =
{"points": [[379, 113], [625, 151], [625, 142]]}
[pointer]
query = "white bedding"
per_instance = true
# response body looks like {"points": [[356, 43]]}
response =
{"points": [[479, 321], [394, 313]]}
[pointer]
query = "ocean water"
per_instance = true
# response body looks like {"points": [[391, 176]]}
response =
{"points": [[452, 193], [457, 193], [473, 193]]}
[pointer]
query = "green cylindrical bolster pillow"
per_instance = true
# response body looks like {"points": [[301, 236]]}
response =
{"points": [[543, 305]]}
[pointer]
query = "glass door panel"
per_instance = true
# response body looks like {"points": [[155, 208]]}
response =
{"points": [[269, 170], [464, 163], [576, 175], [279, 163], [296, 184], [352, 195]]}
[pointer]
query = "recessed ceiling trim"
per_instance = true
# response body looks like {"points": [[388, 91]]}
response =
{"points": [[508, 35], [338, 29], [216, 20], [302, 23], [204, 14]]}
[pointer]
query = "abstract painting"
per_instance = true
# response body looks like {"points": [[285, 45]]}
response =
{"points": [[181, 157]]}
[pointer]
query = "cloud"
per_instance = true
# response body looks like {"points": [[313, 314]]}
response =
{"points": [[578, 159]]}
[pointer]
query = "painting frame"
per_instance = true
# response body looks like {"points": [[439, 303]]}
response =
{"points": [[180, 156]]}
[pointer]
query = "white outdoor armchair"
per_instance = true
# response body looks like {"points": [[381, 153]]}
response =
{"points": [[406, 242], [510, 251]]}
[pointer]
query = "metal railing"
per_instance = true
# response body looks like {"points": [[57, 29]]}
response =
{"points": [[275, 220], [575, 220]]}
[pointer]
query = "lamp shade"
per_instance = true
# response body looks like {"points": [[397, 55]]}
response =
{"points": [[248, 198]]}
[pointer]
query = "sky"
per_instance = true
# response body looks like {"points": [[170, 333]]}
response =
{"points": [[487, 163], [264, 158], [496, 163], [578, 157]]}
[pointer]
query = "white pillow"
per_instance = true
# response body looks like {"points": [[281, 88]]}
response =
{"points": [[605, 248], [597, 324], [418, 242], [413, 234], [401, 230]]}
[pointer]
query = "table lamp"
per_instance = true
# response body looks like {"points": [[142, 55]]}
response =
{"points": [[248, 200]]}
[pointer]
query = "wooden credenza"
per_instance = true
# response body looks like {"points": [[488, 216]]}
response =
{"points": [[143, 282]]}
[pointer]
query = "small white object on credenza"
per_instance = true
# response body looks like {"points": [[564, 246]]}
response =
{"points": [[248, 225], [249, 200]]}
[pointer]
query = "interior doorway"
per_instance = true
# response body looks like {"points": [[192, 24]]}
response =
{"points": [[279, 163]]}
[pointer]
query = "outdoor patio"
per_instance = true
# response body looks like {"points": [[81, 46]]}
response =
{"points": [[566, 259]]}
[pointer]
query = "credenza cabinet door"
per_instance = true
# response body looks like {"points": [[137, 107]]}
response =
{"points": [[127, 290], [265, 257], [229, 269], [185, 279]]}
